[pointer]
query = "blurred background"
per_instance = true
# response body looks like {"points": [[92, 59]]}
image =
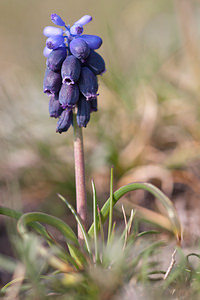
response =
{"points": [[148, 123]]}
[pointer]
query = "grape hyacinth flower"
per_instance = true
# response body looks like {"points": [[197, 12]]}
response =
{"points": [[71, 74], [71, 82]]}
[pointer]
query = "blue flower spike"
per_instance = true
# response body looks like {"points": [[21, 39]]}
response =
{"points": [[71, 75]]}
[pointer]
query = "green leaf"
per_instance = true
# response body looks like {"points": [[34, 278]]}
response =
{"points": [[77, 255], [172, 214], [111, 206], [85, 235], [17, 215], [95, 218], [28, 218]]}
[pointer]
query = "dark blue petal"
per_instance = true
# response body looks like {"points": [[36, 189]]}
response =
{"points": [[70, 70], [64, 121], [69, 95], [83, 113], [88, 84], [55, 109], [93, 105], [95, 62], [54, 41], [93, 41], [84, 20], [56, 58], [52, 82], [76, 29], [50, 30], [80, 49], [56, 19]]}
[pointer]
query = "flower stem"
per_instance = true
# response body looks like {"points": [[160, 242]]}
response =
{"points": [[81, 201]]}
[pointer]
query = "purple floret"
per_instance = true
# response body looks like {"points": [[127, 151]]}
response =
{"points": [[56, 19], [55, 109], [65, 121], [71, 69], [54, 41], [88, 84], [68, 95], [52, 82], [79, 48], [76, 29], [93, 41], [56, 58], [83, 113], [84, 20]]}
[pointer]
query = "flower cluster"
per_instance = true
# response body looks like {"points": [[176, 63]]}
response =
{"points": [[71, 74]]}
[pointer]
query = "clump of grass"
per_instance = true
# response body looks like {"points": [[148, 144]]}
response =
{"points": [[102, 267]]}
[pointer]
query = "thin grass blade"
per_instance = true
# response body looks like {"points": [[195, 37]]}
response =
{"points": [[95, 218], [28, 218], [171, 211], [85, 235], [111, 206]]}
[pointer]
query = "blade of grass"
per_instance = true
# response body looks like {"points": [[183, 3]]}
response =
{"points": [[113, 230], [28, 218], [127, 228], [84, 233], [43, 232], [95, 217], [100, 225], [35, 225], [148, 232], [172, 214], [111, 206]]}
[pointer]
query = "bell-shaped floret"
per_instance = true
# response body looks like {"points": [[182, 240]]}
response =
{"points": [[54, 41], [56, 19], [83, 113], [88, 84], [56, 58], [69, 95], [52, 82], [79, 48], [70, 70], [93, 41], [65, 121], [55, 109], [50, 31], [76, 29], [95, 62], [84, 20]]}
